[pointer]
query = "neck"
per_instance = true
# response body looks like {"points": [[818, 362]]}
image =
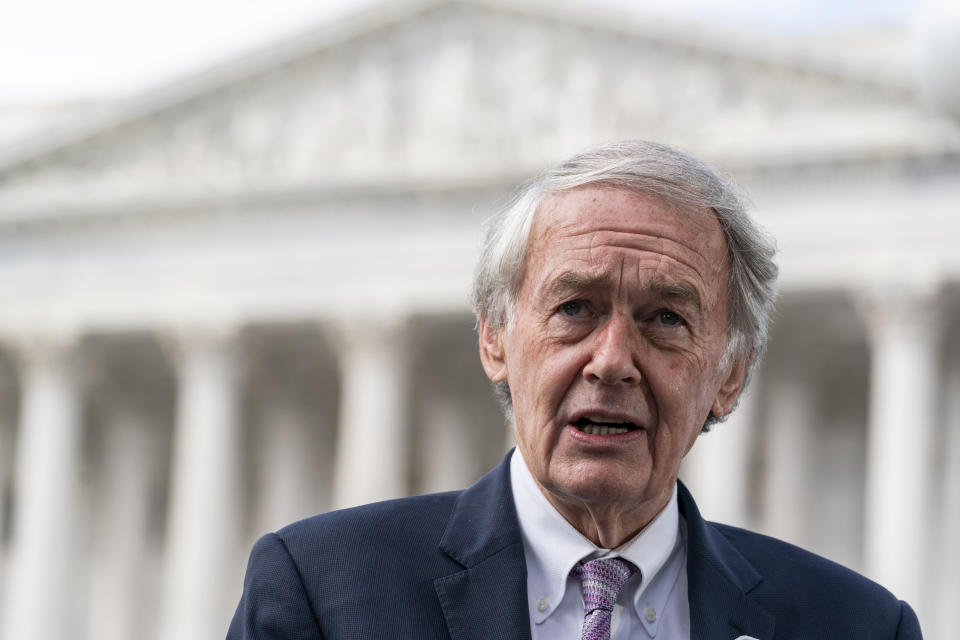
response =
{"points": [[608, 524]]}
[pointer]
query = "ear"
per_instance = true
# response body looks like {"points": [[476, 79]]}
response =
{"points": [[730, 386], [492, 354]]}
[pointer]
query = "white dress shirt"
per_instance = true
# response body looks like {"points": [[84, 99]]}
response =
{"points": [[652, 604]]}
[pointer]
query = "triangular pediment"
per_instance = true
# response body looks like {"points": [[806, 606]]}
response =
{"points": [[446, 89]]}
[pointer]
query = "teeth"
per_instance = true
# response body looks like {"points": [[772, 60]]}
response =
{"points": [[599, 418], [599, 430]]}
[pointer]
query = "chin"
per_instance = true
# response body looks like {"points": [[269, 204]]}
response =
{"points": [[599, 487]]}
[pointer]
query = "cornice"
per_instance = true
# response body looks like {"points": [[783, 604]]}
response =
{"points": [[723, 46], [260, 197], [788, 164]]}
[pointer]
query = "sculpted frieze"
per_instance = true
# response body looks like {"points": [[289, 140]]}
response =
{"points": [[459, 90]]}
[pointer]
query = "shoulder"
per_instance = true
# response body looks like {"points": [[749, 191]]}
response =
{"points": [[377, 522], [336, 570], [812, 591], [396, 536], [780, 562]]}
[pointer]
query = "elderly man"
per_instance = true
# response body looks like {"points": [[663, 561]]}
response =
{"points": [[621, 302]]}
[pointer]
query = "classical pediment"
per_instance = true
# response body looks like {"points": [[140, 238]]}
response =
{"points": [[451, 89]]}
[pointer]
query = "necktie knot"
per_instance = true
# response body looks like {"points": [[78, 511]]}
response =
{"points": [[602, 580]]}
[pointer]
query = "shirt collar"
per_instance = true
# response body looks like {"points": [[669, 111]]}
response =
{"points": [[552, 545]]}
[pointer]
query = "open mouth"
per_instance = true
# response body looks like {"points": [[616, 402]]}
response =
{"points": [[600, 426]]}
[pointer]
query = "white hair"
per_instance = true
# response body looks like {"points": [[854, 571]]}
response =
{"points": [[679, 180]]}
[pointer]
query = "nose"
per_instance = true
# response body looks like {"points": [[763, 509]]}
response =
{"points": [[612, 361]]}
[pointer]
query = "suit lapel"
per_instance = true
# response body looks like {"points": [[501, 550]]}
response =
{"points": [[719, 581], [488, 598], [720, 611]]}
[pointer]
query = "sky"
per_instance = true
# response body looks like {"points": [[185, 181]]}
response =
{"points": [[68, 50]]}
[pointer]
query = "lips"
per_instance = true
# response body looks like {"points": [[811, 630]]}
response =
{"points": [[603, 424]]}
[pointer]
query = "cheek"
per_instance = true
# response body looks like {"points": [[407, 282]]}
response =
{"points": [[528, 353], [669, 375], [524, 362], [688, 372], [681, 391]]}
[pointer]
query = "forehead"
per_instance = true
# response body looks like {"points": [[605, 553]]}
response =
{"points": [[596, 225]]}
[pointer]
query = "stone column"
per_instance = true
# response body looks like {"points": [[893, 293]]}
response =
{"points": [[204, 549], [41, 596], [788, 453], [7, 444], [372, 443], [945, 566], [130, 467], [717, 470], [293, 485], [903, 327], [450, 456]]}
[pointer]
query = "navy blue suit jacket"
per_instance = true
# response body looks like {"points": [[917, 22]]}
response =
{"points": [[451, 565]]}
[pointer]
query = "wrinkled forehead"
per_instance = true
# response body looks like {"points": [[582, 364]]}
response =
{"points": [[600, 235], [599, 214], [591, 196]]}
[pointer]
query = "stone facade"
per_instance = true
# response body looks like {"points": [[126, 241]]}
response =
{"points": [[242, 299]]}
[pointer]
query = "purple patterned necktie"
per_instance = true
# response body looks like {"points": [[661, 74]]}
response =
{"points": [[601, 580]]}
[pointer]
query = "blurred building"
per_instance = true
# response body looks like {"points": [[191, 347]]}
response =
{"points": [[242, 299]]}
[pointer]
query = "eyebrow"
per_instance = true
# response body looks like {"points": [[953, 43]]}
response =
{"points": [[676, 291], [574, 282]]}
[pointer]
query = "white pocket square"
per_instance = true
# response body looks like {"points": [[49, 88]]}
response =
{"points": [[745, 638]]}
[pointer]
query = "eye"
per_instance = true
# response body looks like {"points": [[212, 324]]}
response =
{"points": [[669, 318], [573, 308]]}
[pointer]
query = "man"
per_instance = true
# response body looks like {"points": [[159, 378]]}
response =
{"points": [[621, 302]]}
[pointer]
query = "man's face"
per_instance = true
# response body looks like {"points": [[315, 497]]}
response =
{"points": [[613, 353]]}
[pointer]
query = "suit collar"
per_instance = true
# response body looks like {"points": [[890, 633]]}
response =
{"points": [[484, 519], [488, 598], [719, 581]]}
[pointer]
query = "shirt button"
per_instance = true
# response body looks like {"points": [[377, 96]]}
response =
{"points": [[543, 604], [650, 614]]}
